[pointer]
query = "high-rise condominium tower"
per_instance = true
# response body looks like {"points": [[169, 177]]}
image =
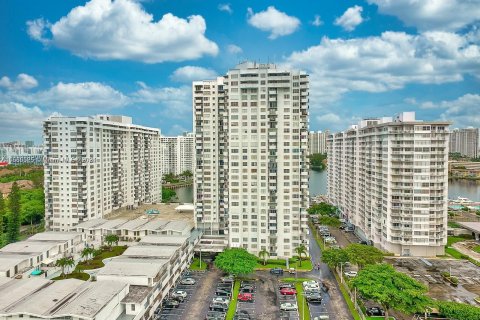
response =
{"points": [[389, 177], [317, 141], [251, 177], [95, 165], [177, 154], [465, 142]]}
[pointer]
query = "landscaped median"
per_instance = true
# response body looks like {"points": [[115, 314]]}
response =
{"points": [[97, 261], [195, 266], [301, 301], [233, 302], [306, 264]]}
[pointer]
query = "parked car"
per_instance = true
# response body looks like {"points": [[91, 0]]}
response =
{"points": [[349, 229], [375, 311], [292, 271], [285, 285], [170, 304], [242, 315], [179, 294], [363, 242], [288, 291], [322, 317], [215, 315], [187, 281], [247, 289], [245, 297], [223, 293], [314, 298], [310, 282], [277, 271], [218, 307], [287, 306], [224, 286], [227, 279], [221, 300], [313, 291], [351, 274]]}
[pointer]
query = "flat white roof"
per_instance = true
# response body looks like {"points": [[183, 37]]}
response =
{"points": [[54, 236], [132, 267], [29, 247], [91, 224], [151, 251], [8, 261], [164, 239], [473, 226], [46, 298]]}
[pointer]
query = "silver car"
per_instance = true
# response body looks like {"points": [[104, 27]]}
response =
{"points": [[287, 306], [189, 281]]}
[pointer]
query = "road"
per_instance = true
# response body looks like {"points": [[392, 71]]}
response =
{"points": [[334, 301]]}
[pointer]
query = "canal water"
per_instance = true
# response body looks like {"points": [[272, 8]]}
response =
{"points": [[318, 185]]}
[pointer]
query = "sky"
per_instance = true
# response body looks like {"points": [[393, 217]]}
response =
{"points": [[367, 58]]}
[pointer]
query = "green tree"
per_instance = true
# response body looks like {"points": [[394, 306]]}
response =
{"points": [[170, 178], [13, 221], [458, 311], [110, 239], [236, 261], [317, 161], [323, 209], [87, 252], [391, 289], [187, 174], [329, 221], [301, 250], [168, 194], [334, 257], [363, 255], [264, 254], [64, 263]]}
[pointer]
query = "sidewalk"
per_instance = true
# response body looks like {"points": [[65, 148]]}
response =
{"points": [[460, 247]]}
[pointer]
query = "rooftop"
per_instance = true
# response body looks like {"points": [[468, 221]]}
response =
{"points": [[133, 267], [54, 236], [150, 251], [137, 294], [164, 240]]}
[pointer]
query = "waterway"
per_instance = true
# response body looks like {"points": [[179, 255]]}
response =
{"points": [[318, 185]]}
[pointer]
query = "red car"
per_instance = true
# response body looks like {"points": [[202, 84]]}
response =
{"points": [[246, 297], [288, 291]]}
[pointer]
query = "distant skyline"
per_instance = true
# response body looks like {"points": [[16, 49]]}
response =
{"points": [[138, 58]]}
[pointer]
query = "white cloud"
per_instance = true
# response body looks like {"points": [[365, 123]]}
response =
{"points": [[350, 18], [317, 21], [192, 73], [73, 96], [24, 81], [234, 49], [432, 14], [276, 22], [122, 30], [177, 130], [329, 119], [15, 116], [174, 102], [225, 7], [463, 111], [386, 62]]}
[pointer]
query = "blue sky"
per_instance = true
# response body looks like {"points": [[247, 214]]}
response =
{"points": [[138, 58]]}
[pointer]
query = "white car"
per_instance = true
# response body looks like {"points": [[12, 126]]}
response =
{"points": [[309, 282], [222, 300], [189, 281], [287, 306], [311, 287], [179, 293], [351, 274]]}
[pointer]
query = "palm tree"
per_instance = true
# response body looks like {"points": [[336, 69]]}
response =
{"points": [[263, 254], [87, 252], [63, 263], [300, 250], [111, 239]]}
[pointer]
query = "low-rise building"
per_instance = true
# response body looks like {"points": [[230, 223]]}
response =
{"points": [[132, 230], [41, 249]]}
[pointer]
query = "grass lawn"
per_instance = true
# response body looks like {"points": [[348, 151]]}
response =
{"points": [[97, 262], [74, 275], [476, 249], [281, 263], [304, 314], [454, 239], [233, 303], [454, 253], [196, 265], [453, 224]]}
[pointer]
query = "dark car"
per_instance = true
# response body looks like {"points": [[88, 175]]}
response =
{"points": [[170, 304], [363, 242], [224, 287], [248, 289], [375, 311], [222, 293], [215, 315], [242, 315], [314, 298], [277, 271], [218, 307]]}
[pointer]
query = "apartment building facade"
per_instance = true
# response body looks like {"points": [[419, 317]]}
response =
{"points": [[465, 142], [251, 177], [389, 178], [177, 154], [94, 165], [317, 141]]}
